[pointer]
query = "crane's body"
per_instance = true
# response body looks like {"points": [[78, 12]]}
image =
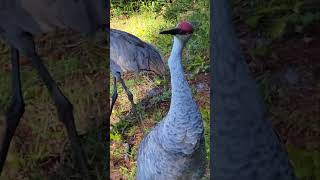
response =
{"points": [[129, 54], [175, 148], [157, 162], [20, 21], [245, 145]]}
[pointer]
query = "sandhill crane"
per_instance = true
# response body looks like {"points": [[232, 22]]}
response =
{"points": [[130, 54], [245, 146], [175, 149], [19, 22]]}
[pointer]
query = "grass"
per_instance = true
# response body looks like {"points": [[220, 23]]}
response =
{"points": [[41, 148], [146, 24], [306, 163]]}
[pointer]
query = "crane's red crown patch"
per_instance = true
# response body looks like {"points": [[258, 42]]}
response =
{"points": [[185, 26]]}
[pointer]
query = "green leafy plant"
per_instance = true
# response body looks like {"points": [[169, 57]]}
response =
{"points": [[198, 65], [306, 163], [125, 7], [278, 17]]}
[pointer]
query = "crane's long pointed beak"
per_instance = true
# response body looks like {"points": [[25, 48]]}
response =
{"points": [[173, 31]]}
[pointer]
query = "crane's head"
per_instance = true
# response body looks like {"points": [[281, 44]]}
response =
{"points": [[183, 30]]}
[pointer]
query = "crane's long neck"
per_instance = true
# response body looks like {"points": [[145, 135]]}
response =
{"points": [[243, 138], [182, 128], [180, 90]]}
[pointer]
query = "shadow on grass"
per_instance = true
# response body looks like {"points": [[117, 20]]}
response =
{"points": [[97, 149], [147, 107]]}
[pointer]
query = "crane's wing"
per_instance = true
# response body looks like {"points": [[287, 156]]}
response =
{"points": [[129, 38], [131, 54]]}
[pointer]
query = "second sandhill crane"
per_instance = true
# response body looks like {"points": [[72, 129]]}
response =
{"points": [[20, 21], [130, 54], [175, 148]]}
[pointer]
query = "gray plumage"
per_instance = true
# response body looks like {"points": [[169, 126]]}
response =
{"points": [[245, 146], [41, 16], [20, 21], [130, 54], [174, 149]]}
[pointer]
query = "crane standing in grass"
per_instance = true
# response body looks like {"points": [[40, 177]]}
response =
{"points": [[20, 21], [175, 148], [245, 145], [130, 54]]}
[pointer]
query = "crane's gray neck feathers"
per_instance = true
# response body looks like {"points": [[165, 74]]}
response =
{"points": [[182, 128], [180, 89]]}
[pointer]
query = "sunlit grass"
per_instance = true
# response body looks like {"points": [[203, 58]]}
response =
{"points": [[146, 26]]}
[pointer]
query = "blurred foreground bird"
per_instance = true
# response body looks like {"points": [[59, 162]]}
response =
{"points": [[245, 145], [20, 21], [130, 54], [175, 148]]}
